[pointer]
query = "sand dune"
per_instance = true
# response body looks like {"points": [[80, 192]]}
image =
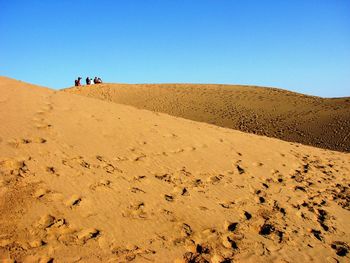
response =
{"points": [[272, 112], [84, 180]]}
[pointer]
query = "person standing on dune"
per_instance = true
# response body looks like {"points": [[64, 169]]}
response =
{"points": [[97, 80], [77, 82], [88, 81]]}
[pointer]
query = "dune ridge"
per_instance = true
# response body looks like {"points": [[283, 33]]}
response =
{"points": [[85, 180], [272, 112]]}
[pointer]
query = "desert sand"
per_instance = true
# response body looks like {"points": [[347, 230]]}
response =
{"points": [[320, 122], [86, 180]]}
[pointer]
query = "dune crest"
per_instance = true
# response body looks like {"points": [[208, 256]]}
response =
{"points": [[271, 112], [84, 180]]}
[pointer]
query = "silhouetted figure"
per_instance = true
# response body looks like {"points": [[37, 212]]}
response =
{"points": [[97, 80], [77, 82], [88, 81]]}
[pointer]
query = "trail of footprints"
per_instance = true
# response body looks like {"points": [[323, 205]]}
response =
{"points": [[50, 229], [217, 244], [39, 121], [102, 163], [274, 225]]}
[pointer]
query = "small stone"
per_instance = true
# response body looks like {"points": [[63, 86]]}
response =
{"points": [[40, 193]]}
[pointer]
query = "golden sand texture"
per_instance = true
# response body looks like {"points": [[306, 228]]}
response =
{"points": [[271, 112], [84, 180]]}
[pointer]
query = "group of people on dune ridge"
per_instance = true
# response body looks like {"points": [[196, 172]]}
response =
{"points": [[88, 81]]}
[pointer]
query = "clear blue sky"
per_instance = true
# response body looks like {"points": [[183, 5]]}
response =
{"points": [[300, 45]]}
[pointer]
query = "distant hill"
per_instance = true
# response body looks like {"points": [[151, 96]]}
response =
{"points": [[321, 122]]}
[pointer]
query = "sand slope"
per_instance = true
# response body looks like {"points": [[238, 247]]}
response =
{"points": [[83, 180], [265, 111]]}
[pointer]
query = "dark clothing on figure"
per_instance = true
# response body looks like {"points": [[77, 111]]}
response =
{"points": [[77, 82], [97, 80]]}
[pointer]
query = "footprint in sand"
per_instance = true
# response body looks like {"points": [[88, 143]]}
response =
{"points": [[179, 150], [26, 141], [42, 140], [121, 159], [13, 167], [185, 192], [164, 177], [49, 228], [197, 183], [341, 248], [138, 157], [40, 193], [46, 221], [170, 135], [43, 126], [85, 164], [74, 201], [101, 184], [203, 253], [136, 211], [189, 148], [186, 230], [44, 195], [247, 215], [184, 172], [88, 234], [136, 190], [108, 167], [17, 142], [240, 169], [52, 170], [231, 227], [227, 204], [131, 252], [139, 178], [215, 179], [317, 234], [199, 250], [169, 198]]}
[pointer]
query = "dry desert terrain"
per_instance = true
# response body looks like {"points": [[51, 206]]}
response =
{"points": [[290, 116], [87, 180]]}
